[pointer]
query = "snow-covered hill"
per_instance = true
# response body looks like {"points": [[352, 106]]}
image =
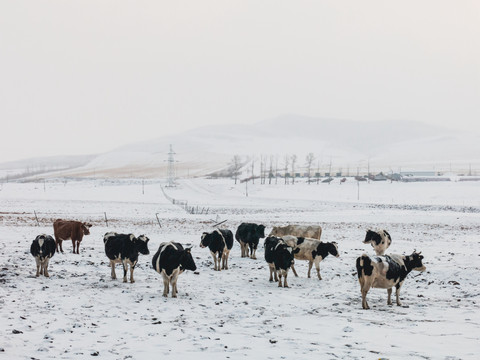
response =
{"points": [[342, 143]]}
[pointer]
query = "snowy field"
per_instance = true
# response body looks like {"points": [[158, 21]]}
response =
{"points": [[81, 312]]}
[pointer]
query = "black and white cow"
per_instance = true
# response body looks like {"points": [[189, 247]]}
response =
{"points": [[386, 272], [171, 260], [220, 242], [312, 250], [124, 248], [379, 239], [248, 235], [279, 257], [42, 248]]}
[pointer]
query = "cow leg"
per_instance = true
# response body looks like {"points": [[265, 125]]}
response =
{"points": [[78, 247], [389, 300], [73, 243], [294, 271], [37, 260], [176, 288], [225, 260], [59, 245], [244, 248], [112, 264], [367, 283], [45, 268], [174, 285], [219, 261], [165, 285], [279, 274], [132, 267], [252, 252], [397, 294], [317, 266], [285, 273], [125, 268], [214, 256], [310, 264]]}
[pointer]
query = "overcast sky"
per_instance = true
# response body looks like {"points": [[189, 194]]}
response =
{"points": [[82, 77]]}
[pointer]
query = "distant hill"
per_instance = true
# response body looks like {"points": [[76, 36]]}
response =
{"points": [[345, 144]]}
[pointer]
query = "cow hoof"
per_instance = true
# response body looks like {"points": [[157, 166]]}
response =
{"points": [[132, 281], [164, 295], [124, 280]]}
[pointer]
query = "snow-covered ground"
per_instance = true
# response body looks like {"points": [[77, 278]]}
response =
{"points": [[80, 311]]}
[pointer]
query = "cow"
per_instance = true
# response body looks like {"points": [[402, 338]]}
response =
{"points": [[70, 230], [220, 242], [385, 272], [312, 250], [124, 248], [279, 257], [171, 260], [42, 248], [306, 231], [379, 239], [248, 235]]}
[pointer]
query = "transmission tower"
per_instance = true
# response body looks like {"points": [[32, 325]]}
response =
{"points": [[171, 169]]}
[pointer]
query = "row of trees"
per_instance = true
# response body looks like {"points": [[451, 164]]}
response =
{"points": [[270, 167]]}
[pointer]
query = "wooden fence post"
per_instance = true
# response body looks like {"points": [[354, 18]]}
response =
{"points": [[36, 218]]}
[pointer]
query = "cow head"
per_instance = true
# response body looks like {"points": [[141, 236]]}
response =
{"points": [[86, 228], [333, 249], [415, 261], [142, 244], [372, 236], [285, 253], [205, 240], [186, 260], [260, 231], [270, 240]]}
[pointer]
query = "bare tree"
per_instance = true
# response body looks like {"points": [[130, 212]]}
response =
{"points": [[270, 171], [276, 168], [294, 161], [309, 163], [235, 166], [253, 164], [286, 163]]}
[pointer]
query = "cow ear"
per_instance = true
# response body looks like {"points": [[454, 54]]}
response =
{"points": [[296, 251]]}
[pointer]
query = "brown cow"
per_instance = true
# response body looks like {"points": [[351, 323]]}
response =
{"points": [[70, 230]]}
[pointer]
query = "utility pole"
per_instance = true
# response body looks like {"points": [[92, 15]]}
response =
{"points": [[171, 168]]}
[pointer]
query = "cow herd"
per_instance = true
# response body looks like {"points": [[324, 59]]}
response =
{"points": [[282, 247]]}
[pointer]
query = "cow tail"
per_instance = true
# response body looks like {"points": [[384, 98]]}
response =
{"points": [[359, 266]]}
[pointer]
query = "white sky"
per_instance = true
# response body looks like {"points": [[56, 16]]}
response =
{"points": [[86, 76]]}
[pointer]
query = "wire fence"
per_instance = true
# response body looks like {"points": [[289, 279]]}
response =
{"points": [[48, 218], [190, 209]]}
